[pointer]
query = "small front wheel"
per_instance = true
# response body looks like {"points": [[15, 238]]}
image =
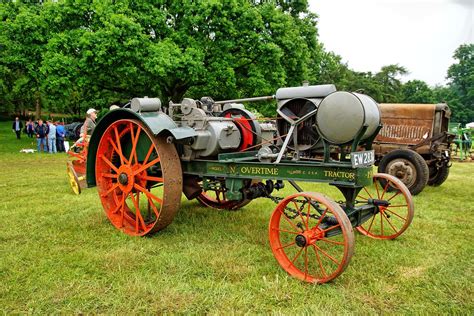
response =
{"points": [[395, 208], [311, 237]]}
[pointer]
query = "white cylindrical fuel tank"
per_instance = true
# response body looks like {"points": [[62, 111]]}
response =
{"points": [[145, 104], [341, 115]]}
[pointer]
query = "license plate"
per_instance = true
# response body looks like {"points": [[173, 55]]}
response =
{"points": [[362, 158]]}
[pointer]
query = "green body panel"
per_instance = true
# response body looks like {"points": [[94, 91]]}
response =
{"points": [[337, 174], [158, 122]]}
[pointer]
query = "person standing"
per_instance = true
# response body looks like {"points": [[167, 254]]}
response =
{"points": [[52, 138], [60, 133], [89, 124], [17, 126], [30, 128], [41, 131]]}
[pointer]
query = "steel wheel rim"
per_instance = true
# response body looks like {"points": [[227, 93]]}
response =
{"points": [[305, 250], [391, 221], [73, 179], [134, 178]]}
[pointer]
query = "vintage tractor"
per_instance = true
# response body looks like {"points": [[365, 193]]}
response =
{"points": [[143, 157]]}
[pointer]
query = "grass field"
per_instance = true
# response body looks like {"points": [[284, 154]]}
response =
{"points": [[58, 253]]}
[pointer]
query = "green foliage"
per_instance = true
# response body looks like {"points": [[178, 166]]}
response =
{"points": [[76, 54], [461, 75], [417, 91]]}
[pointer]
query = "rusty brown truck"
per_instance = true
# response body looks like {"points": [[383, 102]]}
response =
{"points": [[413, 144]]}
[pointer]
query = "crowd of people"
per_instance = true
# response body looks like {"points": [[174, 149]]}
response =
{"points": [[50, 135]]}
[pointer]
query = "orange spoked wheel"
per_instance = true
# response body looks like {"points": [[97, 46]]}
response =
{"points": [[311, 237], [138, 177], [394, 207]]}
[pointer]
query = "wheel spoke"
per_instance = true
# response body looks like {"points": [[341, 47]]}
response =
{"points": [[331, 228], [138, 215], [122, 209], [390, 223], [153, 206], [377, 188], [321, 218], [305, 263], [149, 178], [118, 150], [388, 210], [370, 195], [300, 215], [370, 226], [112, 188], [286, 231], [332, 241], [363, 198], [327, 255], [150, 150], [287, 245], [319, 261], [385, 189], [148, 165], [289, 221], [397, 193], [119, 146], [307, 215], [296, 257], [405, 205], [381, 223], [109, 175], [148, 194], [117, 208], [133, 153], [111, 165]]}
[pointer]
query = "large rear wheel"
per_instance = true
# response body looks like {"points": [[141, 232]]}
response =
{"points": [[138, 177]]}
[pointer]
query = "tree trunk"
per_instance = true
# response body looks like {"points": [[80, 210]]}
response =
{"points": [[38, 107]]}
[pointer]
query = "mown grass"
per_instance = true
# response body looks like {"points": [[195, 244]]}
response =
{"points": [[58, 253]]}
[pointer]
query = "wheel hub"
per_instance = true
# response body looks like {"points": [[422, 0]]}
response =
{"points": [[300, 241], [123, 179], [126, 178], [309, 237], [403, 170]]}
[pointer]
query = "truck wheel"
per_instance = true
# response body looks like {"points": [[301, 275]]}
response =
{"points": [[438, 175], [408, 166]]}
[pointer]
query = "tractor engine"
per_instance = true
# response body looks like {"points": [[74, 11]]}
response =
{"points": [[220, 128]]}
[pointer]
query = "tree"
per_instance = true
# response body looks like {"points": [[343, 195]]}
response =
{"points": [[388, 78], [461, 76], [228, 49], [417, 91], [24, 35]]}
